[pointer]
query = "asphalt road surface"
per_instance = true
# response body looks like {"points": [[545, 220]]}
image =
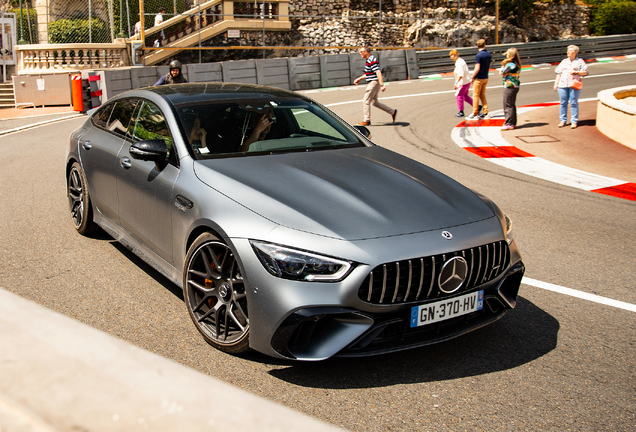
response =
{"points": [[556, 362]]}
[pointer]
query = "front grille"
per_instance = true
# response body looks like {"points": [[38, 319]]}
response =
{"points": [[417, 279]]}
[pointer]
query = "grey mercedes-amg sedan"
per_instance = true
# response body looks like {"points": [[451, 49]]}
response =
{"points": [[290, 232]]}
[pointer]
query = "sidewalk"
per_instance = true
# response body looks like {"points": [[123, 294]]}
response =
{"points": [[13, 118], [581, 158], [583, 148]]}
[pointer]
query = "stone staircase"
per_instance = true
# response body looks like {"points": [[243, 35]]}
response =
{"points": [[7, 98]]}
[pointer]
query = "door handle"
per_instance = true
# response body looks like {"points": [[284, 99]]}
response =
{"points": [[125, 162], [87, 145]]}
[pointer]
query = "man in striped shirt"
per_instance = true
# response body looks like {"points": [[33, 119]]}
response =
{"points": [[375, 84]]}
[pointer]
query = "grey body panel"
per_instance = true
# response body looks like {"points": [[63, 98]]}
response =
{"points": [[102, 160], [366, 205], [349, 194], [146, 200]]}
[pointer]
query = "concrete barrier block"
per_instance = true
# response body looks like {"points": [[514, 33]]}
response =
{"points": [[411, 63], [304, 73], [114, 82], [205, 72], [241, 71], [143, 76], [273, 72], [334, 70], [393, 65]]}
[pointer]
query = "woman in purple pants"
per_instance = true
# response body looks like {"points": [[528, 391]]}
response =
{"points": [[462, 82]]}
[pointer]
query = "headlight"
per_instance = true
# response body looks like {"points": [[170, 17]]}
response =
{"points": [[508, 229], [294, 264]]}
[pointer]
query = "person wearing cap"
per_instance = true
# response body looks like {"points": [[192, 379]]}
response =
{"points": [[174, 76]]}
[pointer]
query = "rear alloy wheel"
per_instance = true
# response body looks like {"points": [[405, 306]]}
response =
{"points": [[79, 201], [215, 294]]}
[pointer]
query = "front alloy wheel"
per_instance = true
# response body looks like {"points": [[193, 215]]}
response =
{"points": [[79, 201], [215, 294]]}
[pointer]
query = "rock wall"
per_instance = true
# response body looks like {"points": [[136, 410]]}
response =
{"points": [[353, 23], [438, 27]]}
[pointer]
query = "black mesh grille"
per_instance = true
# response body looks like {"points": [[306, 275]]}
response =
{"points": [[417, 279]]}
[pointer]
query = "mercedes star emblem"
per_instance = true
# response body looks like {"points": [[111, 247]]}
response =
{"points": [[453, 275], [447, 235]]}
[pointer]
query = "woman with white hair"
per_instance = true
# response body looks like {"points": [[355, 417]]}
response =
{"points": [[568, 83]]}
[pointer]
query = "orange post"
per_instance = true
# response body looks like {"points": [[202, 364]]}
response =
{"points": [[76, 92]]}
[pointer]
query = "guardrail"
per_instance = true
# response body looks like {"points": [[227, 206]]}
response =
{"points": [[437, 61]]}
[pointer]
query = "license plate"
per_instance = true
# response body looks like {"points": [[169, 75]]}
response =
{"points": [[446, 309]]}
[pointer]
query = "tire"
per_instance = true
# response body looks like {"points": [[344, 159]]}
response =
{"points": [[215, 294], [79, 201]]}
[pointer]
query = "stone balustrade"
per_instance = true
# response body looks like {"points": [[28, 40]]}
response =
{"points": [[55, 58]]}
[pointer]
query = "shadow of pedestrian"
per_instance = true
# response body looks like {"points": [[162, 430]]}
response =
{"points": [[401, 124], [530, 125]]}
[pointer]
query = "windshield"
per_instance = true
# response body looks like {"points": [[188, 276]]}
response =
{"points": [[261, 126]]}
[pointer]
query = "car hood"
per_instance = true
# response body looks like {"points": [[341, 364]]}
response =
{"points": [[351, 194]]}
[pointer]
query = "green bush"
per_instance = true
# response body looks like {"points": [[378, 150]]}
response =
{"points": [[76, 31], [29, 24], [613, 17]]}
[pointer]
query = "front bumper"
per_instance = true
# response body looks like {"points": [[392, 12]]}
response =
{"points": [[316, 321], [313, 333]]}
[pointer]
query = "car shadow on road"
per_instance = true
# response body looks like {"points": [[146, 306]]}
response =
{"points": [[161, 279], [523, 335]]}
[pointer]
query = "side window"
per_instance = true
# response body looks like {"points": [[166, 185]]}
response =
{"points": [[151, 124], [101, 117], [120, 118]]}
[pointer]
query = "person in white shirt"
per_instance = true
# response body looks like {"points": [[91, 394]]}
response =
{"points": [[462, 82], [159, 20], [159, 16]]}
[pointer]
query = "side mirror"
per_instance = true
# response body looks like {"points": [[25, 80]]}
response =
{"points": [[363, 131], [149, 150]]}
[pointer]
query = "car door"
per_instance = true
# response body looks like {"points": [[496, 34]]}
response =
{"points": [[98, 150], [145, 187]]}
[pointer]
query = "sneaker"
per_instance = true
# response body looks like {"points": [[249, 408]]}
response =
{"points": [[574, 125], [364, 123], [507, 127], [472, 117], [394, 115], [561, 124], [484, 116], [460, 114]]}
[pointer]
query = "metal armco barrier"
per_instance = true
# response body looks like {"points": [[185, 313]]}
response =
{"points": [[438, 61]]}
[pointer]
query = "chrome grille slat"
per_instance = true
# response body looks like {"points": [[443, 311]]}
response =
{"points": [[430, 290], [485, 263], [470, 271], [383, 284], [397, 281], [408, 284], [419, 289], [483, 279]]}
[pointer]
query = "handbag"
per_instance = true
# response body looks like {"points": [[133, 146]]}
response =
{"points": [[577, 85]]}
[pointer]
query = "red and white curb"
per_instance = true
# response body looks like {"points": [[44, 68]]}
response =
{"points": [[483, 138]]}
